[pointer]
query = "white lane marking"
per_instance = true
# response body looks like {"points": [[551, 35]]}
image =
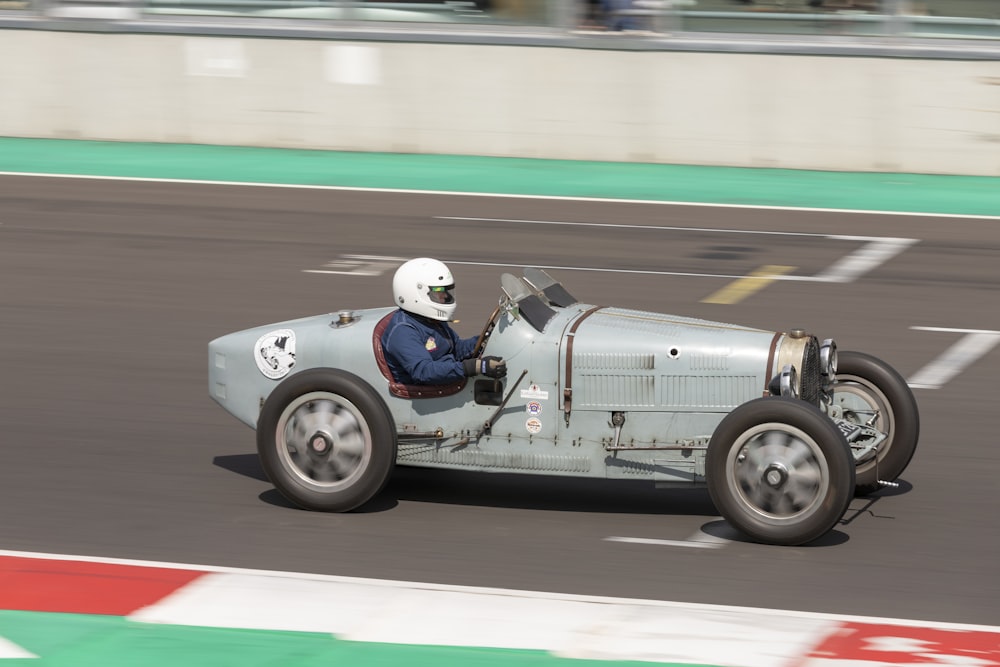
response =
{"points": [[757, 611], [9, 649], [658, 228], [501, 195], [876, 251], [974, 344], [594, 269], [663, 543], [697, 541], [345, 263], [359, 265]]}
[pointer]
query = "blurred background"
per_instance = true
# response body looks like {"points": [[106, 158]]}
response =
{"points": [[844, 85], [964, 19]]}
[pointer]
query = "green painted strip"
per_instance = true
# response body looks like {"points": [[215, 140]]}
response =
{"points": [[71, 640], [964, 195]]}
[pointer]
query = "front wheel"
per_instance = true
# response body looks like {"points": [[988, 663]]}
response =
{"points": [[780, 471], [326, 440], [870, 391]]}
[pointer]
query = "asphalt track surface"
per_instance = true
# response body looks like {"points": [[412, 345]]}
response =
{"points": [[111, 446]]}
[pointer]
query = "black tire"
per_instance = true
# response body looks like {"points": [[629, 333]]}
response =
{"points": [[326, 440], [780, 471], [864, 385]]}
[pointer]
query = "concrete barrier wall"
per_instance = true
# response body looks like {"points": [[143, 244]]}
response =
{"points": [[802, 112]]}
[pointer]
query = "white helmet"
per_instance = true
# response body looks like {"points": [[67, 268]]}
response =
{"points": [[423, 286]]}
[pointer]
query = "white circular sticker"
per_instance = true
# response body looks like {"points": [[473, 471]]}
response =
{"points": [[533, 425], [274, 353]]}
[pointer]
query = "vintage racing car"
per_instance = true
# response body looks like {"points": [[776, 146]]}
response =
{"points": [[782, 429]]}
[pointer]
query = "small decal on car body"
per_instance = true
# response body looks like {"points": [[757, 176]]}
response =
{"points": [[274, 353], [533, 425], [535, 392], [534, 408]]}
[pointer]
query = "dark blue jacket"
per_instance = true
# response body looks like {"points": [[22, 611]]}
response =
{"points": [[424, 351]]}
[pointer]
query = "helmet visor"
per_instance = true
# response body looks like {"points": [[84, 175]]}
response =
{"points": [[441, 294]]}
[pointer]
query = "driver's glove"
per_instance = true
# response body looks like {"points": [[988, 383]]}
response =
{"points": [[494, 367]]}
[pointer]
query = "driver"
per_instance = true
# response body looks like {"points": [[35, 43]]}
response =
{"points": [[419, 344]]}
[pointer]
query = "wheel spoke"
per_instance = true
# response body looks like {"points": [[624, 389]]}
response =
{"points": [[325, 472], [298, 458], [352, 445], [341, 467], [807, 477], [782, 505], [773, 446], [799, 454], [295, 432], [755, 457], [801, 491], [775, 440], [344, 423], [755, 492]]}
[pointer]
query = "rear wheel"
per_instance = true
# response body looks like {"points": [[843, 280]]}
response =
{"points": [[780, 471], [326, 440], [868, 390]]}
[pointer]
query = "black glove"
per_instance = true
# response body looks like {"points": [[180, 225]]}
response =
{"points": [[494, 367]]}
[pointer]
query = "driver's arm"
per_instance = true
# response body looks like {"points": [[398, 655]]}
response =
{"points": [[465, 347]]}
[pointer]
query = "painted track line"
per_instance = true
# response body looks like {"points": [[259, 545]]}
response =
{"points": [[11, 651], [657, 202], [692, 543], [376, 613], [692, 606], [974, 344]]}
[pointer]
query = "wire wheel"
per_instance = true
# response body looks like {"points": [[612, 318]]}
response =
{"points": [[869, 391]]}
